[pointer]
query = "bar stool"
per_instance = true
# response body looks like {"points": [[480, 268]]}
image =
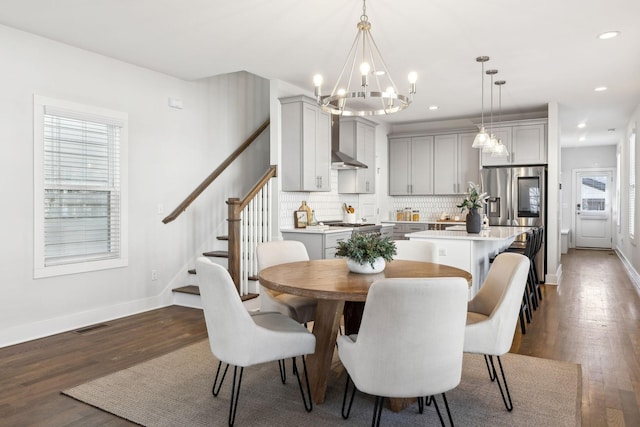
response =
{"points": [[526, 305], [534, 269]]}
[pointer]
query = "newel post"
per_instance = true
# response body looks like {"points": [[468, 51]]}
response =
{"points": [[233, 219]]}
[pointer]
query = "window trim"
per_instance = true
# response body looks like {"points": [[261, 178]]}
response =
{"points": [[40, 270]]}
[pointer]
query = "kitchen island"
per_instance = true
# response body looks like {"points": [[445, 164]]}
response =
{"points": [[470, 251]]}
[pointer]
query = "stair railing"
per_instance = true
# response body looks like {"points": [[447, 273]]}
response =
{"points": [[204, 184], [249, 224]]}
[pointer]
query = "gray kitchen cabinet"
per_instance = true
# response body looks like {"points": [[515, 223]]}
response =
{"points": [[306, 145], [410, 166], [399, 230], [387, 231], [455, 163], [468, 162], [358, 140], [319, 245], [445, 164], [526, 143]]}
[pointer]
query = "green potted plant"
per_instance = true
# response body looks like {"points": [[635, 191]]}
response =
{"points": [[367, 252], [474, 200]]}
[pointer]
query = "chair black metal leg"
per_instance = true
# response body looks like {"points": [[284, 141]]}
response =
{"points": [[446, 405], [283, 370], [420, 405], [377, 411], [345, 415], [216, 386], [508, 405], [435, 404], [491, 371], [235, 395], [308, 404]]}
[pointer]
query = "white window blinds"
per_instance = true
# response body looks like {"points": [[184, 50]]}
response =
{"points": [[81, 197]]}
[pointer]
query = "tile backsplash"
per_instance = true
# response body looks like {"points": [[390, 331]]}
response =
{"points": [[430, 207], [328, 205]]}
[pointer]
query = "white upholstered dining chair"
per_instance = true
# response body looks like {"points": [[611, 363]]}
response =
{"points": [[301, 309], [416, 250], [392, 357], [493, 314], [239, 339]]}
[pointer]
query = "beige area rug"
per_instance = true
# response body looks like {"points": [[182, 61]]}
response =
{"points": [[175, 390]]}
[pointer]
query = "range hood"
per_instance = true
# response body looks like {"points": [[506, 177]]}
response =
{"points": [[340, 160]]}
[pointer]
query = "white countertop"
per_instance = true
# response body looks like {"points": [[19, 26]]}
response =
{"points": [[426, 221], [330, 230], [460, 233]]}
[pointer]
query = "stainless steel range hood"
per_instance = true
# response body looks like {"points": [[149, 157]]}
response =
{"points": [[340, 160]]}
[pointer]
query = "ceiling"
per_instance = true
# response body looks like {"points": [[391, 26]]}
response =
{"points": [[546, 50]]}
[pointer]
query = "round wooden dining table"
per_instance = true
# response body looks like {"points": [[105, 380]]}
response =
{"points": [[332, 284]]}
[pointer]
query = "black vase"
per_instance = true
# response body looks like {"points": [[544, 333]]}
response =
{"points": [[474, 221]]}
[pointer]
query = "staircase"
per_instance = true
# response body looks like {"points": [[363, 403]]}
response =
{"points": [[248, 225]]}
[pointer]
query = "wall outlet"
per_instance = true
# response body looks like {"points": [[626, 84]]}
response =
{"points": [[442, 251], [154, 274]]}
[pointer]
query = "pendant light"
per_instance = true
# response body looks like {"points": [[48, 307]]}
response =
{"points": [[482, 137], [500, 150], [491, 144]]}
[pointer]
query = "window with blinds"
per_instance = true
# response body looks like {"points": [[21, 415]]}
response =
{"points": [[80, 210]]}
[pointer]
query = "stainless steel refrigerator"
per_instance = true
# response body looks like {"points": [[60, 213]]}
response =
{"points": [[518, 197]]}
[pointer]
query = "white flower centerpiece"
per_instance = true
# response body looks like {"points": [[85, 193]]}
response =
{"points": [[474, 200], [367, 253]]}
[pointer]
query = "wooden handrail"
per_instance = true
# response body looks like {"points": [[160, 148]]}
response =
{"points": [[235, 207], [272, 172], [195, 193]]}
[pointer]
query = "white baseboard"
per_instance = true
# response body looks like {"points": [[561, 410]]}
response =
{"points": [[631, 272], [47, 327], [554, 279]]}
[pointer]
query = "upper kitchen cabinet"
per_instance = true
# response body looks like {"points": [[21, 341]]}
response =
{"points": [[306, 145], [455, 163], [526, 143], [358, 140], [410, 166]]}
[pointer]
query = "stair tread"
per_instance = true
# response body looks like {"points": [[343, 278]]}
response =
{"points": [[194, 290], [191, 289], [219, 254]]}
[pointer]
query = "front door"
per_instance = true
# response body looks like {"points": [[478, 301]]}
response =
{"points": [[593, 208]]}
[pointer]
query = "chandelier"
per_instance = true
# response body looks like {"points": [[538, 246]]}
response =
{"points": [[366, 89]]}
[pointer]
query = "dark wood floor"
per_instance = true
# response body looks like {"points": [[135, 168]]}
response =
{"points": [[592, 319]]}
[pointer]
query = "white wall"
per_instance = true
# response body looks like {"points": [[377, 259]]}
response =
{"points": [[170, 152], [629, 250], [603, 156]]}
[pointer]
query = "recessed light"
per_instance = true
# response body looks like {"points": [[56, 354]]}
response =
{"points": [[433, 107], [600, 89], [608, 35], [582, 125], [582, 138]]}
